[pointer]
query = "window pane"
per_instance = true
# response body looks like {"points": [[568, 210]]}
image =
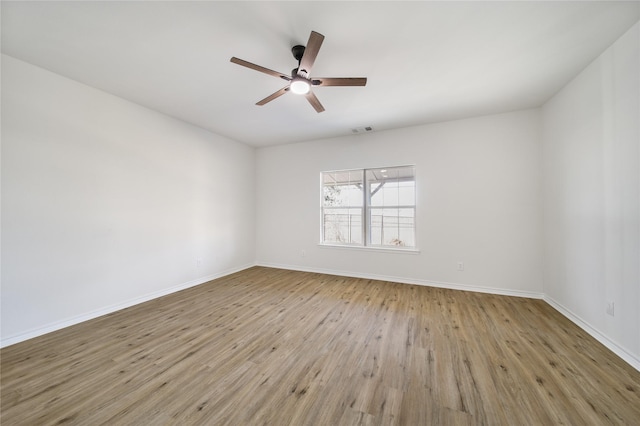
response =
{"points": [[342, 188], [407, 193], [392, 186], [392, 227], [406, 227], [342, 226]]}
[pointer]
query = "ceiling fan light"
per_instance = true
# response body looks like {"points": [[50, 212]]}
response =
{"points": [[300, 86]]}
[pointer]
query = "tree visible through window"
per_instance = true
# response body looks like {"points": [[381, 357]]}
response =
{"points": [[369, 207]]}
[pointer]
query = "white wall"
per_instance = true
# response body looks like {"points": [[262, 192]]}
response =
{"points": [[591, 193], [478, 202], [106, 203]]}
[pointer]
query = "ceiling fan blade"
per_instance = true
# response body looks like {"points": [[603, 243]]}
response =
{"points": [[315, 103], [273, 96], [347, 81], [259, 68], [310, 53]]}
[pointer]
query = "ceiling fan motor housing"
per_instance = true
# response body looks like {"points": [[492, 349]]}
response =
{"points": [[298, 52]]}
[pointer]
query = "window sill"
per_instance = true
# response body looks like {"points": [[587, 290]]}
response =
{"points": [[371, 249]]}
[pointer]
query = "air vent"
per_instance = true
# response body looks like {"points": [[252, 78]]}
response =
{"points": [[362, 129]]}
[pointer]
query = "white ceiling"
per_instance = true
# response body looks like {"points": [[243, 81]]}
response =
{"points": [[425, 61]]}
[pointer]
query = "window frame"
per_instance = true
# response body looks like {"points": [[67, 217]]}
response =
{"points": [[366, 212]]}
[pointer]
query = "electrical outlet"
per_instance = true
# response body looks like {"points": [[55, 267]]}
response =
{"points": [[199, 262], [460, 266], [610, 308], [303, 253]]}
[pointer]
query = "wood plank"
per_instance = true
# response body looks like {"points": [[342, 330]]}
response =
{"points": [[270, 346]]}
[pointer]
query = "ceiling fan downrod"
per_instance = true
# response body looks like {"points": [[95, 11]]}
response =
{"points": [[298, 53]]}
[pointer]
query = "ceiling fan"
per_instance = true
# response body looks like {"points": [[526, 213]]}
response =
{"points": [[300, 81]]}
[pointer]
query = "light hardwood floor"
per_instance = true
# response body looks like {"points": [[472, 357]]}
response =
{"points": [[276, 347]]}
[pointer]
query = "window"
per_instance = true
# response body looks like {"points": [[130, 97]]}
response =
{"points": [[369, 207]]}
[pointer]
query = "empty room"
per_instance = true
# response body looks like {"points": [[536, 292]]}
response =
{"points": [[320, 213]]}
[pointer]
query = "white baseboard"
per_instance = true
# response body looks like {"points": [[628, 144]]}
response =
{"points": [[404, 280], [627, 356], [611, 345], [39, 331]]}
